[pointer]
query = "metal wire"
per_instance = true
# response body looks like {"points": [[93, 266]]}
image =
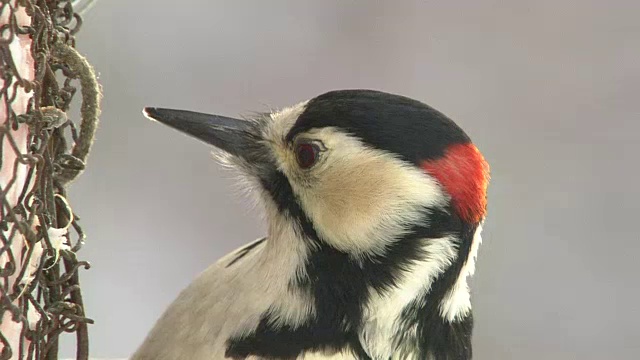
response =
{"points": [[40, 235]]}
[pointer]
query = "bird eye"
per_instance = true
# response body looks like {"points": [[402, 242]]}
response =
{"points": [[306, 154]]}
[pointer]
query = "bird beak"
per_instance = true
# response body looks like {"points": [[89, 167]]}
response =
{"points": [[231, 135]]}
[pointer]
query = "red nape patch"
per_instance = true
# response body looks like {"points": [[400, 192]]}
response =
{"points": [[464, 174]]}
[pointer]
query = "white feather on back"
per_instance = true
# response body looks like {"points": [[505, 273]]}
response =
{"points": [[457, 302], [383, 310]]}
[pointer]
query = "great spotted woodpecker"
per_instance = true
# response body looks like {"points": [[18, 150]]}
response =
{"points": [[374, 204]]}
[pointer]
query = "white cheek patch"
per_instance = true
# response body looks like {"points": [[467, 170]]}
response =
{"points": [[457, 302], [362, 198]]}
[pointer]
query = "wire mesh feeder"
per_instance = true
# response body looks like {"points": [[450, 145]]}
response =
{"points": [[41, 152]]}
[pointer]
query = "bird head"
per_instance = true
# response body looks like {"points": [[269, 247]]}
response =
{"points": [[387, 194]]}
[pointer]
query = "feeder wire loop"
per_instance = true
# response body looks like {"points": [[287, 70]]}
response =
{"points": [[44, 147]]}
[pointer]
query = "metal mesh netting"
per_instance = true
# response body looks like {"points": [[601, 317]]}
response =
{"points": [[41, 151]]}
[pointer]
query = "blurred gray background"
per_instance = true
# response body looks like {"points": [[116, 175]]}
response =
{"points": [[548, 90]]}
